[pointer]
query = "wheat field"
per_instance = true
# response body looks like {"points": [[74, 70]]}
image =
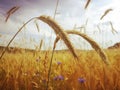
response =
{"points": [[27, 70], [60, 69], [70, 69]]}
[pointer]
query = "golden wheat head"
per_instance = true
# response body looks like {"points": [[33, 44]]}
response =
{"points": [[59, 31], [92, 43]]}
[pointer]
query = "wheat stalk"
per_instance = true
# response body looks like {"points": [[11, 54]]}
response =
{"points": [[49, 71], [41, 43], [87, 3], [56, 9], [38, 28], [113, 30], [59, 31], [92, 43]]}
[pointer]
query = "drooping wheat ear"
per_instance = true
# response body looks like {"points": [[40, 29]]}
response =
{"points": [[59, 31], [87, 3], [105, 13], [92, 43], [11, 11], [15, 36]]}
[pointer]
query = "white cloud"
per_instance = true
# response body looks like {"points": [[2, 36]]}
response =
{"points": [[71, 12]]}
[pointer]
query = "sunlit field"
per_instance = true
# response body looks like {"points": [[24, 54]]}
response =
{"points": [[59, 45], [27, 70]]}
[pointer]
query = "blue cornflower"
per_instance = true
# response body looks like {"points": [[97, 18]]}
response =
{"points": [[60, 77], [55, 78], [59, 63], [81, 80]]}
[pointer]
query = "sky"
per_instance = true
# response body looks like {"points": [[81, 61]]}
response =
{"points": [[71, 13]]}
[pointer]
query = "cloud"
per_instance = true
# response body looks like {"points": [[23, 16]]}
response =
{"points": [[71, 12]]}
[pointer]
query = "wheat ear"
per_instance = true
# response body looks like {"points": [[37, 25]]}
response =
{"points": [[59, 31], [92, 43], [105, 13], [11, 11]]}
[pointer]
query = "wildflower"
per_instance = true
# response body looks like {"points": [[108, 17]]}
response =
{"points": [[81, 80], [60, 77], [59, 63], [55, 78]]}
